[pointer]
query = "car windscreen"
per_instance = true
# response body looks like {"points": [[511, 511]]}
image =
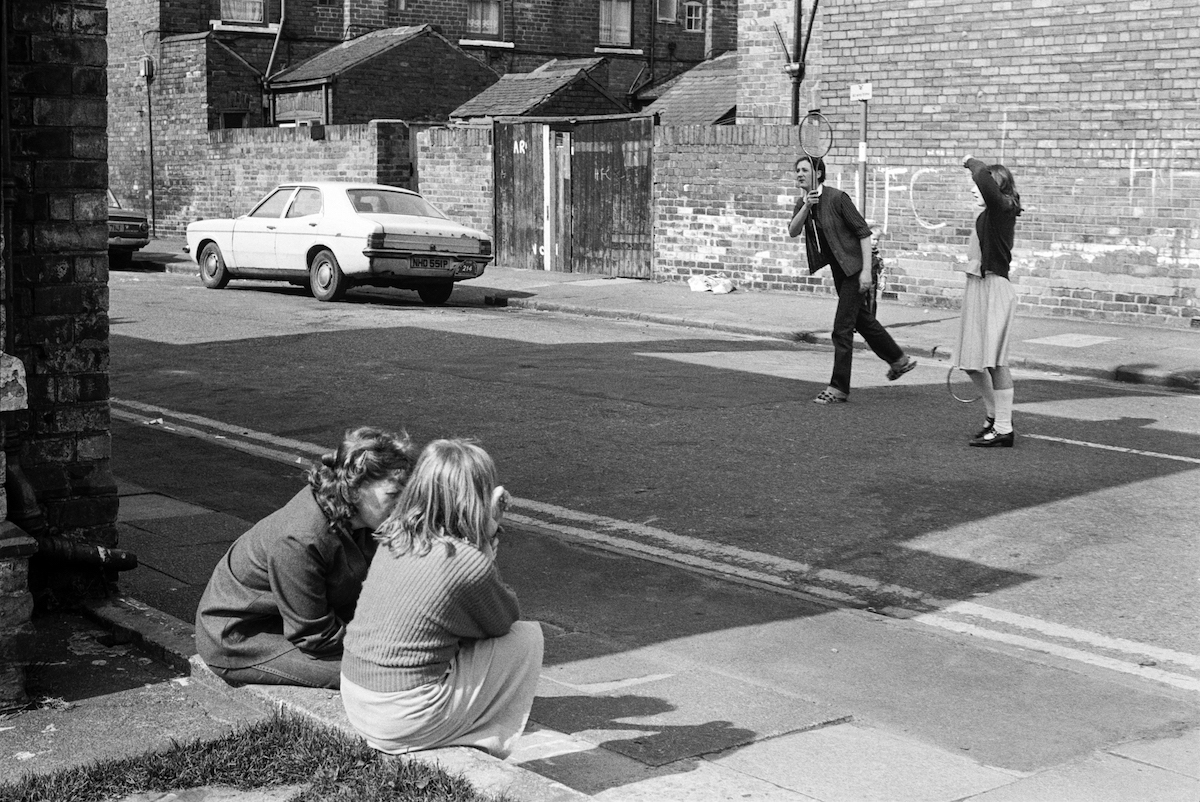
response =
{"points": [[376, 201], [272, 205]]}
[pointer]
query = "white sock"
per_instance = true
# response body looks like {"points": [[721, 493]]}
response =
{"points": [[983, 380], [1004, 403]]}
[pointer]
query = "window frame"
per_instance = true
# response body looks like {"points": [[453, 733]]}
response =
{"points": [[669, 16], [613, 31], [693, 22], [480, 30]]}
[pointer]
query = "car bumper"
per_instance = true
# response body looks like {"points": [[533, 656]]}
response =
{"points": [[455, 267], [127, 243]]}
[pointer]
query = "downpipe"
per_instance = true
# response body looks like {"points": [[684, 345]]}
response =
{"points": [[25, 512]]}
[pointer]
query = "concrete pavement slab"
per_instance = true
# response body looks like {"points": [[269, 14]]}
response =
{"points": [[1099, 777], [144, 506], [1178, 752], [854, 763], [673, 714]]}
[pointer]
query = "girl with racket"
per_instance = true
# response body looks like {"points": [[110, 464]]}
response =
{"points": [[835, 234], [990, 302]]}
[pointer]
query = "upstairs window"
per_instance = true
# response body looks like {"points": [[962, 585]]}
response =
{"points": [[483, 17], [616, 22], [242, 11], [693, 17], [668, 10]]}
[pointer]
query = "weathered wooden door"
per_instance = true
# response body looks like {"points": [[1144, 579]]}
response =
{"points": [[611, 185], [532, 196]]}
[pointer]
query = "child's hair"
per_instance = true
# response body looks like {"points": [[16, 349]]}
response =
{"points": [[449, 495], [1007, 184], [366, 455], [817, 163]]}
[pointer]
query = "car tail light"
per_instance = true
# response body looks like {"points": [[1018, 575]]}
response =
{"points": [[377, 240], [485, 247]]}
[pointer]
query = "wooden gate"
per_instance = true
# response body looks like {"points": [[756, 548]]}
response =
{"points": [[611, 185], [517, 150], [574, 200]]}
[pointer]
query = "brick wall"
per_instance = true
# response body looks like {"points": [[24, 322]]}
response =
{"points": [[229, 171], [1090, 244], [1092, 106], [59, 306], [456, 173]]}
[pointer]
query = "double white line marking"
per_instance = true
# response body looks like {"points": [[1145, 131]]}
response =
{"points": [[778, 574]]}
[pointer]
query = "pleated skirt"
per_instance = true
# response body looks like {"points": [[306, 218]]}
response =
{"points": [[989, 308], [483, 700]]}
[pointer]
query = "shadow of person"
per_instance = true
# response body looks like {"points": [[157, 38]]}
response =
{"points": [[640, 727]]}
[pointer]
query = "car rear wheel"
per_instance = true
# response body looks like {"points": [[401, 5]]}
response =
{"points": [[325, 277], [212, 267], [436, 294]]}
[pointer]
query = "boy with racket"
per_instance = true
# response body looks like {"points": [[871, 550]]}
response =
{"points": [[835, 234]]}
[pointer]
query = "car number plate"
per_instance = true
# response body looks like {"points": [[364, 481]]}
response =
{"points": [[430, 263]]}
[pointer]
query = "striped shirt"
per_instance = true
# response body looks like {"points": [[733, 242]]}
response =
{"points": [[415, 610]]}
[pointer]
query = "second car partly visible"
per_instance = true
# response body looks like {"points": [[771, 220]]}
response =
{"points": [[331, 236]]}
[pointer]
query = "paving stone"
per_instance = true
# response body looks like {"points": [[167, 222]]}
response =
{"points": [[854, 763]]}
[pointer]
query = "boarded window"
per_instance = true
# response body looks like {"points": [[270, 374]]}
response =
{"points": [[616, 22], [668, 10]]}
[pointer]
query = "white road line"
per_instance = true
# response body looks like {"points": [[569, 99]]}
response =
{"points": [[1120, 449], [1125, 667], [209, 423], [1064, 632], [836, 588]]}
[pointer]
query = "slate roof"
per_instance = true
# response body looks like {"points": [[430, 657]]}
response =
{"points": [[704, 95], [518, 93], [339, 58]]}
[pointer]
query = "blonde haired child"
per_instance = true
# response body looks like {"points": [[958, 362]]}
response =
{"points": [[436, 655]]}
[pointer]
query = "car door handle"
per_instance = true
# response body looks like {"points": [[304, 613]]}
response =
{"points": [[270, 228], [312, 225]]}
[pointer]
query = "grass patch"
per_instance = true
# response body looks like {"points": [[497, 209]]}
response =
{"points": [[285, 749]]}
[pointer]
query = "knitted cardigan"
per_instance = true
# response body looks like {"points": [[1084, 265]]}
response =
{"points": [[415, 610], [996, 224]]}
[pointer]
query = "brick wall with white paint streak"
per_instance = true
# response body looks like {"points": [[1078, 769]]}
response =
{"points": [[1092, 105]]}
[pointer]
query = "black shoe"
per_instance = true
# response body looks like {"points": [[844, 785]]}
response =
{"points": [[990, 423], [992, 439]]}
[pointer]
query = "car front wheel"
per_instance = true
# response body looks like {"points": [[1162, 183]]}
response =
{"points": [[212, 267], [436, 294], [326, 279]]}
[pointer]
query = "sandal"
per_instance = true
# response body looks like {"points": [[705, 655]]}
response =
{"points": [[828, 396], [896, 371]]}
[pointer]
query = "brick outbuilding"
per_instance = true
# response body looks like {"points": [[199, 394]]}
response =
{"points": [[409, 73]]}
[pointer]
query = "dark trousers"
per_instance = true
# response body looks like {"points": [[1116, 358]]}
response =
{"points": [[855, 312]]}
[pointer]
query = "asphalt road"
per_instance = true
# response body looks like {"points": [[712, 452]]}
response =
{"points": [[711, 437], [684, 513]]}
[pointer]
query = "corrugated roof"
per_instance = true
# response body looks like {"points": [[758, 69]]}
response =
{"points": [[701, 96], [519, 92], [342, 57]]}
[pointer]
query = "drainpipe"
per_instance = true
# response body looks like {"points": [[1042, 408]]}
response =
{"points": [[271, 61], [25, 512]]}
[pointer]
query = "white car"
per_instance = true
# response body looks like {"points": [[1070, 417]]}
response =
{"points": [[332, 236]]}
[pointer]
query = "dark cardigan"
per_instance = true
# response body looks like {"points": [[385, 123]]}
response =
{"points": [[997, 223]]}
